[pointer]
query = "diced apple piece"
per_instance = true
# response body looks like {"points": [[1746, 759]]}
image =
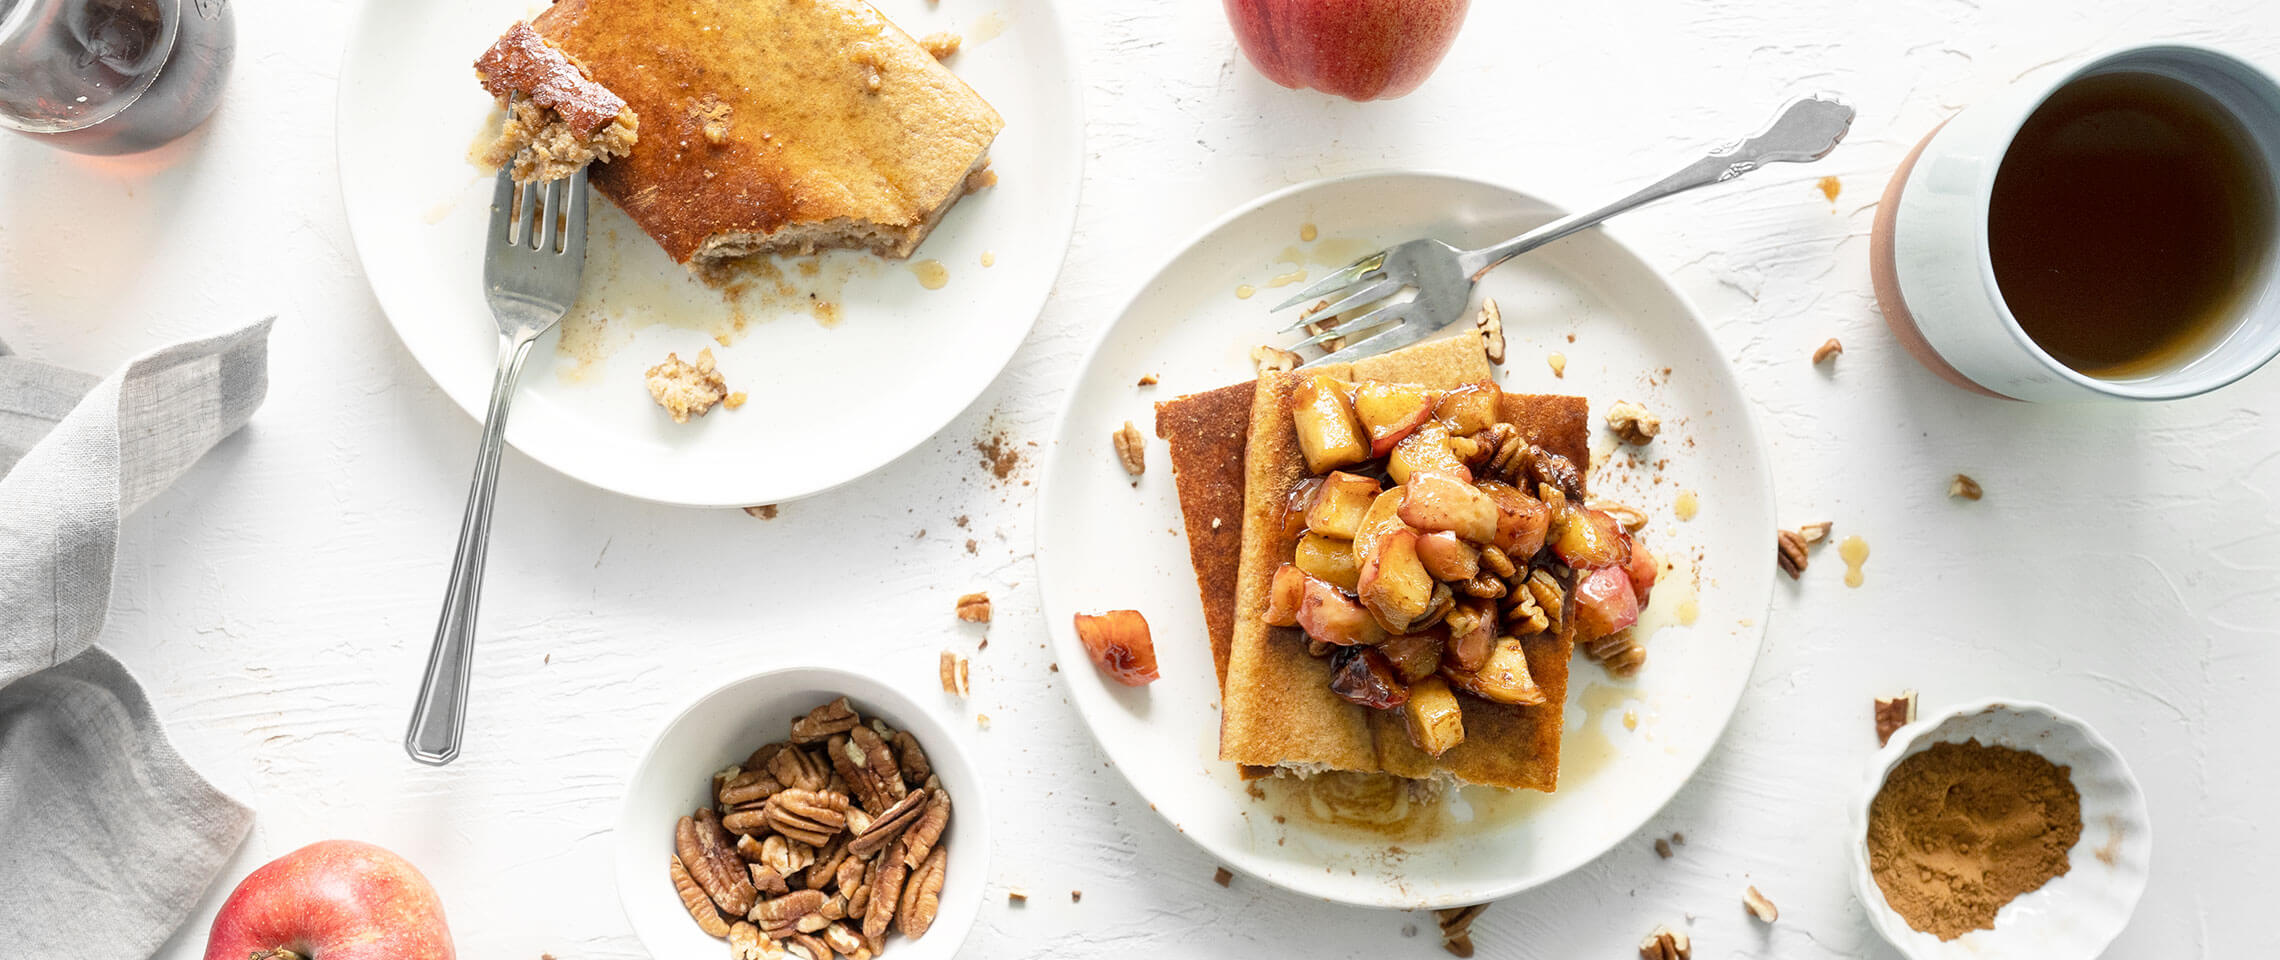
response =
{"points": [[1644, 568], [1383, 517], [1415, 655], [1364, 676], [1604, 603], [1434, 719], [1434, 500], [1393, 584], [1522, 521], [1283, 596], [1327, 614], [1586, 538], [1504, 678], [1472, 627], [1328, 434], [1427, 449], [1470, 408], [1340, 503], [1328, 558], [1389, 411], [1120, 646], [1301, 496], [1448, 558]]}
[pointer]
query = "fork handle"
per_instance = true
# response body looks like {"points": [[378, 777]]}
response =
{"points": [[440, 715], [1806, 130]]}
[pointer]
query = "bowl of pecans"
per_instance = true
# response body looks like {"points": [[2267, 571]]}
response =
{"points": [[803, 812]]}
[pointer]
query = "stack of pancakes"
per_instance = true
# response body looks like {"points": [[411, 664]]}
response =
{"points": [[1236, 459]]}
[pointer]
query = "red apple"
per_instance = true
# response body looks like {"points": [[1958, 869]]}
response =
{"points": [[332, 900], [1604, 603], [1357, 49]]}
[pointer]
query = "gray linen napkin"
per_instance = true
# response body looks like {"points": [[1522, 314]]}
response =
{"points": [[107, 839]]}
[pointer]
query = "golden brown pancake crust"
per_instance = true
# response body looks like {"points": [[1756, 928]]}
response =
{"points": [[1207, 432], [522, 62], [807, 139]]}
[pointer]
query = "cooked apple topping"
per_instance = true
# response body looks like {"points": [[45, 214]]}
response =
{"points": [[1433, 540], [1119, 644]]}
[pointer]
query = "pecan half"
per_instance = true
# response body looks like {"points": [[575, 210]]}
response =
{"points": [[922, 894], [889, 824], [886, 891], [1550, 598], [788, 908], [799, 768], [747, 821], [710, 857], [1541, 467], [924, 833], [824, 722], [1619, 652], [1490, 323], [698, 903], [911, 759], [1789, 552], [825, 869], [974, 607], [1496, 562], [1131, 449], [869, 767], [812, 817], [748, 786], [785, 856]]}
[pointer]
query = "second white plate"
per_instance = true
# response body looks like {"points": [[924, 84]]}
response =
{"points": [[1622, 333], [839, 384]]}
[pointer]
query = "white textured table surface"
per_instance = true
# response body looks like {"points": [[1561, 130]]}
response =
{"points": [[278, 602]]}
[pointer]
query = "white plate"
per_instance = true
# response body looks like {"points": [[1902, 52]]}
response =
{"points": [[2073, 917], [1104, 543], [723, 727], [837, 400]]}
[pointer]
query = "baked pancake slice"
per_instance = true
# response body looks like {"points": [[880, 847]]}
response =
{"points": [[777, 125], [558, 119]]}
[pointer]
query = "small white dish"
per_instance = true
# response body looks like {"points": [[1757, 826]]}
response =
{"points": [[1106, 541], [836, 386], [2073, 917], [721, 728]]}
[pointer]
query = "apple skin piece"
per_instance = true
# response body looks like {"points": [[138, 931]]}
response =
{"points": [[1392, 411], [1357, 49], [1283, 596], [1426, 449], [1363, 675], [1472, 627], [1644, 568], [1434, 719], [1328, 434], [1522, 522], [1471, 408], [1329, 559], [1415, 655], [335, 900], [1340, 503], [1327, 614], [1394, 585], [1585, 539], [1434, 501], [1604, 603], [1447, 557], [1504, 678], [1119, 644]]}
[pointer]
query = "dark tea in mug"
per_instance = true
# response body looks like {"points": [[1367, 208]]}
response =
{"points": [[2130, 218]]}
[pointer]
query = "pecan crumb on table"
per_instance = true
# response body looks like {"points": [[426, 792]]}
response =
{"points": [[974, 607], [1131, 449], [1892, 713], [1964, 487], [1827, 351], [956, 674], [1759, 906], [686, 389], [1666, 944]]}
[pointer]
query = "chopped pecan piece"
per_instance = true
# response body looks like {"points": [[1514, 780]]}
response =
{"points": [[957, 674], [922, 894], [1666, 944], [843, 940], [1964, 487], [1827, 351], [1815, 532], [1490, 323], [785, 855], [1624, 514], [698, 903], [1265, 359], [824, 722], [1892, 713], [1662, 848], [974, 607], [1633, 423], [1131, 449], [765, 879], [1456, 927], [1223, 876], [745, 942], [1759, 906]]}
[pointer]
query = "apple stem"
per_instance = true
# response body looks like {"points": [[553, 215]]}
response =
{"points": [[279, 953]]}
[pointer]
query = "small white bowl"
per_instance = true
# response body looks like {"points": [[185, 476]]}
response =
{"points": [[2073, 917], [721, 728]]}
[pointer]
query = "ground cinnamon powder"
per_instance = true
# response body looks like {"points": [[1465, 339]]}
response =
{"points": [[1961, 829]]}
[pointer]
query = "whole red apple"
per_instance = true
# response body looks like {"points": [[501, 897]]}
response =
{"points": [[332, 900], [1357, 49]]}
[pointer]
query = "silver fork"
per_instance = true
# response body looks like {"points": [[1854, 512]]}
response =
{"points": [[531, 265], [1443, 276]]}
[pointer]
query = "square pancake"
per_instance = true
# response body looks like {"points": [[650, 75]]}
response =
{"points": [[776, 125], [1277, 709]]}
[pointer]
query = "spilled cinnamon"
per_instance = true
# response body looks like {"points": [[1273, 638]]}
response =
{"points": [[1961, 829]]}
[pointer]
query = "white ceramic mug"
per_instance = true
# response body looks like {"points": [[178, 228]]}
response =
{"points": [[1936, 282]]}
